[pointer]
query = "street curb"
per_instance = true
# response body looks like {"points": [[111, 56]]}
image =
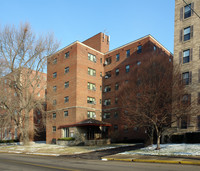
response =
{"points": [[154, 161], [34, 154]]}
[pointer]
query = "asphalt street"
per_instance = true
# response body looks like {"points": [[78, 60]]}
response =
{"points": [[19, 162]]}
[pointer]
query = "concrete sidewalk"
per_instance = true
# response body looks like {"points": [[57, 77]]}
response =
{"points": [[191, 160]]}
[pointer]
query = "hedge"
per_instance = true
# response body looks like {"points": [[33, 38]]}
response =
{"points": [[8, 141], [67, 139]]}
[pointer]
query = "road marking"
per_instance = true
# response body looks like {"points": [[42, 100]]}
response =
{"points": [[40, 165]]}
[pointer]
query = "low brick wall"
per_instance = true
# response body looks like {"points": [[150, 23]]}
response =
{"points": [[97, 142], [86, 142], [66, 143]]}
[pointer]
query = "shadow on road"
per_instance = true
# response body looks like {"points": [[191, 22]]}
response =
{"points": [[101, 153]]}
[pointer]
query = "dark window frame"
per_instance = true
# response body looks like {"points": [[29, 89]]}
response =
{"points": [[128, 53], [66, 113], [117, 57], [139, 49], [55, 75], [67, 55], [188, 13], [66, 85], [66, 99]]}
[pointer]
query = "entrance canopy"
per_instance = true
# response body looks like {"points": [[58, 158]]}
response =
{"points": [[87, 122]]}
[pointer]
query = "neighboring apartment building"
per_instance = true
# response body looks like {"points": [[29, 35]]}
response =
{"points": [[187, 55], [9, 129], [82, 82]]}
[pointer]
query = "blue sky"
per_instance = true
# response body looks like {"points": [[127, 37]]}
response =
{"points": [[71, 20]]}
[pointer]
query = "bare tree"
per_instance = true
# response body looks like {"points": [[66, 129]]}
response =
{"points": [[148, 97], [23, 88]]}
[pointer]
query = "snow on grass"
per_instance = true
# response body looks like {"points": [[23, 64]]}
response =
{"points": [[168, 150], [42, 148], [44, 154]]}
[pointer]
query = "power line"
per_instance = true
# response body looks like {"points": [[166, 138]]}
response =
{"points": [[192, 9]]}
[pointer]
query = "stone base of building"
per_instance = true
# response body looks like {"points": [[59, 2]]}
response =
{"points": [[86, 142]]}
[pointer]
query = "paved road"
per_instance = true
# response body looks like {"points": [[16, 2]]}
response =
{"points": [[21, 162]]}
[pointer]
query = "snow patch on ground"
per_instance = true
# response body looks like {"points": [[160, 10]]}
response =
{"points": [[41, 148], [44, 154], [168, 150]]}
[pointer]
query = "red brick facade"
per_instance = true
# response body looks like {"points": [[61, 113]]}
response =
{"points": [[79, 57]]}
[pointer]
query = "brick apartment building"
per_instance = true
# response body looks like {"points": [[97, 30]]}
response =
{"points": [[82, 82], [8, 128], [187, 55]]}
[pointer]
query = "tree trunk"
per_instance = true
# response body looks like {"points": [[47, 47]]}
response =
{"points": [[158, 142]]}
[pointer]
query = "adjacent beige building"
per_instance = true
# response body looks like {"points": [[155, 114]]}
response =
{"points": [[187, 55]]}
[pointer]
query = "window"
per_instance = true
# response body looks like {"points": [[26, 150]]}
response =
{"points": [[5, 81], [108, 74], [54, 74], [67, 84], [187, 11], [54, 115], [186, 56], [66, 99], [101, 60], [186, 78], [38, 85], [117, 57], [66, 69], [106, 115], [91, 72], [66, 113], [91, 114], [67, 55], [100, 74], [126, 81], [38, 94], [99, 101], [107, 102], [116, 115], [139, 49], [92, 57], [108, 61], [55, 61], [127, 68], [117, 71], [15, 94], [38, 112], [115, 127], [186, 99], [128, 53], [116, 86], [184, 122], [91, 100], [187, 33], [154, 47], [91, 86], [107, 88], [54, 88], [138, 63], [116, 100], [100, 88], [65, 132], [54, 128], [54, 102]]}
